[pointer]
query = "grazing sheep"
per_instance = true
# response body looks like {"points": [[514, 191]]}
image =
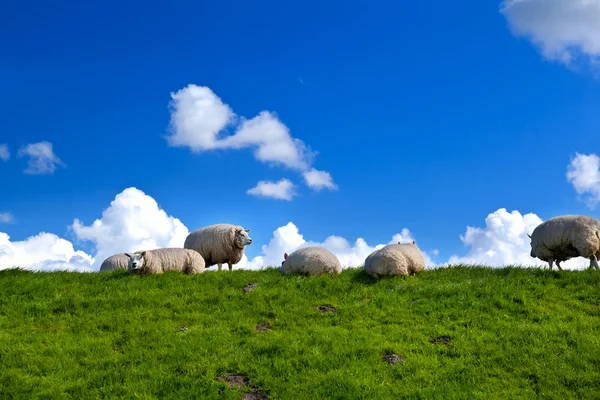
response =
{"points": [[116, 261], [219, 243], [394, 260], [310, 261], [163, 260], [564, 237]]}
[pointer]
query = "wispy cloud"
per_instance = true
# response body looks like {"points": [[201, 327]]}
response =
{"points": [[42, 159], [4, 152], [6, 218]]}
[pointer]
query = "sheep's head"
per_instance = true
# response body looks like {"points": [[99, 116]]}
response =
{"points": [[241, 237], [136, 261], [532, 253], [285, 256]]}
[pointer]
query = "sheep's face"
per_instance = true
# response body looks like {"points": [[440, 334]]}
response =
{"points": [[136, 261], [241, 238], [532, 253]]}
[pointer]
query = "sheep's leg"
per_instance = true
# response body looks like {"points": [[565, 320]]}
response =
{"points": [[594, 261], [230, 266], [550, 263], [220, 265], [558, 265]]}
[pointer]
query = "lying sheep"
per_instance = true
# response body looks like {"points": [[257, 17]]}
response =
{"points": [[394, 260], [310, 261], [219, 243], [163, 260], [564, 237], [116, 261]]}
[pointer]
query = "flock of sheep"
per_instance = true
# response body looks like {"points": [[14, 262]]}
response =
{"points": [[555, 240]]}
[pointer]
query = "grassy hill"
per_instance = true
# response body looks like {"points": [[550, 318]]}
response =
{"points": [[462, 332]]}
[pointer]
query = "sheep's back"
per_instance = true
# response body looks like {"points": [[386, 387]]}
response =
{"points": [[116, 261], [311, 260]]}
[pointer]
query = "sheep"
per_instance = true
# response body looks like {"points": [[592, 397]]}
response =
{"points": [[219, 243], [564, 237], [394, 260], [310, 261], [116, 261], [167, 259]]}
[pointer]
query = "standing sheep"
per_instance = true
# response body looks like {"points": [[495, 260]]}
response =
{"points": [[564, 237], [394, 260], [310, 261], [219, 243], [163, 260]]}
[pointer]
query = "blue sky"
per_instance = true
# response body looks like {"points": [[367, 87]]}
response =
{"points": [[429, 117]]}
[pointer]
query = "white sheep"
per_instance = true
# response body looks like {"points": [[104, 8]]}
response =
{"points": [[116, 261], [219, 243], [564, 237], [168, 259], [310, 261], [394, 260]]}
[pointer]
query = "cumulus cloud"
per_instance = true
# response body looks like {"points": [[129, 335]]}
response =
{"points": [[584, 174], [133, 221], [283, 189], [42, 159], [318, 180], [199, 120], [197, 117], [6, 218], [4, 152], [287, 238], [563, 30], [43, 252], [504, 241]]}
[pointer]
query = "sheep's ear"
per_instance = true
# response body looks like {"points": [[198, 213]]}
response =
{"points": [[414, 242], [285, 256], [128, 255], [247, 230], [529, 235], [143, 253]]}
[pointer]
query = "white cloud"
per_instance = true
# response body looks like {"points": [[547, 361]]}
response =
{"points": [[504, 241], [287, 238], [43, 252], [42, 159], [199, 119], [134, 221], [271, 140], [319, 179], [283, 189], [584, 174], [6, 218], [563, 30], [4, 152]]}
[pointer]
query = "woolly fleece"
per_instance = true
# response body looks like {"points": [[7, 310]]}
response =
{"points": [[311, 261], [170, 259], [395, 260], [567, 236], [218, 244]]}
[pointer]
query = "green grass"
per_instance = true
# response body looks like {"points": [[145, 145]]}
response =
{"points": [[514, 333]]}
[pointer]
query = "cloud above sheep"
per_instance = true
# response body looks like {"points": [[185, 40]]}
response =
{"points": [[201, 121], [566, 31], [283, 189], [584, 174]]}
